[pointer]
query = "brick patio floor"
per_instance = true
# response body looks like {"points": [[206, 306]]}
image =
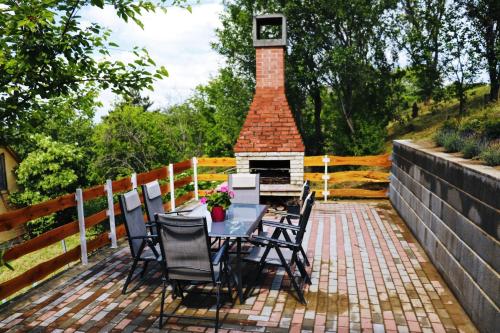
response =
{"points": [[368, 274]]}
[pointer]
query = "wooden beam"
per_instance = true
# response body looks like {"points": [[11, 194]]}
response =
{"points": [[149, 176], [181, 166], [216, 162], [376, 160], [212, 177], [17, 217]]}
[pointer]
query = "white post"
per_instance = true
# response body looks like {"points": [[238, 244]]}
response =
{"points": [[326, 177], [81, 225], [195, 177], [110, 212], [133, 180], [172, 187]]}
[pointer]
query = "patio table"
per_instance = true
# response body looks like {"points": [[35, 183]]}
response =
{"points": [[240, 222]]}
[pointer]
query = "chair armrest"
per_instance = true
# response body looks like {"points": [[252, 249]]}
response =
{"points": [[281, 225], [179, 212], [144, 237], [286, 214], [220, 253], [278, 242], [150, 224]]}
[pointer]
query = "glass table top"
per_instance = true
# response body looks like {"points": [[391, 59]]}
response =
{"points": [[241, 220]]}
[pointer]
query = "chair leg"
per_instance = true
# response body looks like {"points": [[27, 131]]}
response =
{"points": [[304, 255], [290, 275], [163, 292], [303, 272], [217, 308], [144, 268], [129, 276]]}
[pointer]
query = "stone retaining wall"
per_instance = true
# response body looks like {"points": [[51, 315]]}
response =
{"points": [[453, 209]]}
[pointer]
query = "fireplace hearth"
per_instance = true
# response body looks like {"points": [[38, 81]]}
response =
{"points": [[271, 171]]}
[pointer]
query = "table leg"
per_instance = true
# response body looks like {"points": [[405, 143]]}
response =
{"points": [[239, 281]]}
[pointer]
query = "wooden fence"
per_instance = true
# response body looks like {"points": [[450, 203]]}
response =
{"points": [[17, 218], [377, 173]]}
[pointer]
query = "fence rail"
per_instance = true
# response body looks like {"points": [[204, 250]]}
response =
{"points": [[169, 184]]}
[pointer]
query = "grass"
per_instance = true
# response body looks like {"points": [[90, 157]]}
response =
{"points": [[30, 260]]}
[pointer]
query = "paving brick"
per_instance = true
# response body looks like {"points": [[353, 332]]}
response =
{"points": [[369, 274]]}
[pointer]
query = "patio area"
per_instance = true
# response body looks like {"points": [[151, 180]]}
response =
{"points": [[368, 274]]}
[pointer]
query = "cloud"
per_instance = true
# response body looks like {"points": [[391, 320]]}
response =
{"points": [[178, 40]]}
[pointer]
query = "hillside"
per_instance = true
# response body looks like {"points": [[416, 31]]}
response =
{"points": [[432, 117]]}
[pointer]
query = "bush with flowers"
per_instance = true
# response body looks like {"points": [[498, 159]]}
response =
{"points": [[221, 197]]}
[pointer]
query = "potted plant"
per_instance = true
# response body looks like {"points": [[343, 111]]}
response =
{"points": [[217, 202]]}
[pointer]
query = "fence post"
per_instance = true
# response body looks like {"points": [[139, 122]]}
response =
{"points": [[133, 180], [195, 177], [81, 225], [172, 186], [326, 177], [110, 212]]}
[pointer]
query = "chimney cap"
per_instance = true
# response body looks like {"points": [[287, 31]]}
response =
{"points": [[276, 21]]}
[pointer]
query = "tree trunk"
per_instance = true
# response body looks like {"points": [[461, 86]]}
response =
{"points": [[492, 59], [318, 106]]}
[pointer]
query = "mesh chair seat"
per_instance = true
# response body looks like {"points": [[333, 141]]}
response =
{"points": [[272, 258]]}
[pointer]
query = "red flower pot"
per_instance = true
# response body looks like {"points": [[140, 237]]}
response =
{"points": [[218, 214]]}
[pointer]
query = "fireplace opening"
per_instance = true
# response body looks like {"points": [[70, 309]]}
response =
{"points": [[271, 172]]}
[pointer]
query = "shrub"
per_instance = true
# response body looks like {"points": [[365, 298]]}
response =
{"points": [[470, 127], [440, 136], [492, 129], [491, 154], [453, 142], [471, 147]]}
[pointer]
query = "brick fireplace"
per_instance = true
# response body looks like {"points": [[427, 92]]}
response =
{"points": [[269, 142]]}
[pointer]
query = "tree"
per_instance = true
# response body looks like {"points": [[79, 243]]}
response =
{"points": [[460, 60], [50, 170], [223, 104], [485, 15], [46, 52], [131, 140], [421, 31]]}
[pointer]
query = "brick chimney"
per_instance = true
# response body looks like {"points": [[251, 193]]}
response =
{"points": [[269, 126], [270, 132]]}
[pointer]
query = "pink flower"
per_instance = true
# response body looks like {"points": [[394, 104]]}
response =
{"points": [[231, 194], [203, 200], [224, 189]]}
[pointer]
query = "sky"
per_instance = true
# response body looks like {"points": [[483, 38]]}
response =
{"points": [[178, 40]]}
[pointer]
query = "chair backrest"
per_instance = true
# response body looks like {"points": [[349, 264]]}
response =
{"points": [[246, 187], [133, 217], [304, 192], [305, 213], [152, 199], [185, 247]]}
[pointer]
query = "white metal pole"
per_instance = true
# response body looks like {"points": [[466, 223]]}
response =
{"points": [[110, 212], [326, 177], [133, 180], [81, 225], [172, 187], [195, 177]]}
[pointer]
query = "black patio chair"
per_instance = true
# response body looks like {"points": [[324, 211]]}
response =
{"points": [[281, 250], [288, 217], [185, 245], [153, 202], [142, 245]]}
